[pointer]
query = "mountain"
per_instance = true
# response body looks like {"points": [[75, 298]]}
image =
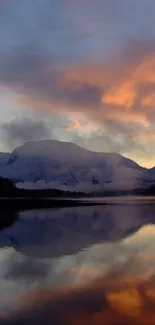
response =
{"points": [[4, 157], [152, 172], [67, 166]]}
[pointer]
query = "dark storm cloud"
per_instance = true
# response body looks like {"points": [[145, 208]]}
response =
{"points": [[19, 131]]}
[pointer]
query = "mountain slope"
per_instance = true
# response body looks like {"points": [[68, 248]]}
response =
{"points": [[68, 166], [152, 172], [4, 157]]}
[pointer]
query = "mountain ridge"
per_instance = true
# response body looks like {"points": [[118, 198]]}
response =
{"points": [[67, 166]]}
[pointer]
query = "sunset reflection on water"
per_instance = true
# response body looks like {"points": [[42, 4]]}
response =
{"points": [[79, 266], [103, 301]]}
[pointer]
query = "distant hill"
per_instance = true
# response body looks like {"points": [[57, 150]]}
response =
{"points": [[9, 190]]}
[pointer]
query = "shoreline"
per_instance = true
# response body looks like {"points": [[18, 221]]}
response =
{"points": [[45, 203], [25, 203]]}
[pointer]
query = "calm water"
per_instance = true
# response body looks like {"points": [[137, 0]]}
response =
{"points": [[75, 246]]}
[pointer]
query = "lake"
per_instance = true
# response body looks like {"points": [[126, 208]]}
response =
{"points": [[76, 247]]}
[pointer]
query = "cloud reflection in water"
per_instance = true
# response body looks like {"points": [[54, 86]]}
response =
{"points": [[75, 251]]}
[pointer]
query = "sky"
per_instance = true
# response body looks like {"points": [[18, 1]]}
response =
{"points": [[80, 71]]}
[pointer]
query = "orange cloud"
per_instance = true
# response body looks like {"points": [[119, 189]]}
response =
{"points": [[145, 137], [148, 100], [125, 95], [74, 126], [120, 92], [145, 70], [98, 91], [120, 81]]}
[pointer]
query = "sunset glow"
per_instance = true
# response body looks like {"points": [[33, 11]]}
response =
{"points": [[83, 63]]}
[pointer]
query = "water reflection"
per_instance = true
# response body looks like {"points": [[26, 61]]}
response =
{"points": [[53, 233], [76, 246]]}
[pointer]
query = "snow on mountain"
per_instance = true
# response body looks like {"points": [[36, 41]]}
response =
{"points": [[55, 164], [152, 173], [4, 157]]}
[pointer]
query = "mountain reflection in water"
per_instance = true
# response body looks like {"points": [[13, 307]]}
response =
{"points": [[79, 250]]}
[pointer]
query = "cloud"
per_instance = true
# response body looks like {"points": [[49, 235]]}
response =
{"points": [[75, 126], [19, 131], [97, 91], [55, 64], [124, 95]]}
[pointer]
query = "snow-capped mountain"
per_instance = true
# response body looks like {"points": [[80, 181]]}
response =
{"points": [[55, 164]]}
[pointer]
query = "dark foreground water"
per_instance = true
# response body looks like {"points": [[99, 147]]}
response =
{"points": [[86, 260]]}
